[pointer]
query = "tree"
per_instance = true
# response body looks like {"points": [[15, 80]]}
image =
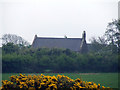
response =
{"points": [[110, 41], [12, 38], [10, 48], [98, 44], [113, 34]]}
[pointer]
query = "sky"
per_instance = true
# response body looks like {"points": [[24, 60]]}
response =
{"points": [[56, 18]]}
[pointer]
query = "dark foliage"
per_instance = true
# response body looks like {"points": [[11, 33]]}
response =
{"points": [[24, 59]]}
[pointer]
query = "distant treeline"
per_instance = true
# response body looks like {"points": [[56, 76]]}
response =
{"points": [[24, 59]]}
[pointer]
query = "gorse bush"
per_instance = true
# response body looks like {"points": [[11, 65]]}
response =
{"points": [[60, 82]]}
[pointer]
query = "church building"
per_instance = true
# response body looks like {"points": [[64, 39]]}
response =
{"points": [[74, 44]]}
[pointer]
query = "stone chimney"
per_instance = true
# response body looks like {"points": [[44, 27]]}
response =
{"points": [[83, 45], [35, 36], [84, 35], [119, 10]]}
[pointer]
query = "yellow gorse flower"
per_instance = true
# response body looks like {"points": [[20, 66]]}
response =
{"points": [[47, 83]]}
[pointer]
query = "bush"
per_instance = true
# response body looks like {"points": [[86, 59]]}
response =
{"points": [[57, 60], [59, 82]]}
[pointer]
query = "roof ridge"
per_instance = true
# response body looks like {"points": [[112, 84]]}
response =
{"points": [[55, 38]]}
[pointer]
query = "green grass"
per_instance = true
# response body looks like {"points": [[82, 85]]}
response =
{"points": [[105, 79]]}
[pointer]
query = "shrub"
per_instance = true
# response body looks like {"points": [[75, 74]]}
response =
{"points": [[42, 82]]}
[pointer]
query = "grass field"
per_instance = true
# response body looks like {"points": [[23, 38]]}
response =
{"points": [[105, 79]]}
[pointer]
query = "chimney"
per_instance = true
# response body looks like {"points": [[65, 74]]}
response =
{"points": [[35, 36], [84, 35], [119, 10]]}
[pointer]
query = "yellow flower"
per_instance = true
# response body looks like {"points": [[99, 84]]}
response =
{"points": [[53, 86], [21, 86], [98, 84], [78, 84], [31, 88], [71, 88], [29, 82], [59, 76], [103, 87], [90, 83], [42, 83], [95, 86], [61, 84]]}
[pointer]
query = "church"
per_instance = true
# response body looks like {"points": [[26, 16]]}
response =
{"points": [[74, 44]]}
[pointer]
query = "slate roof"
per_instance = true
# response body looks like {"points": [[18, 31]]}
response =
{"points": [[69, 43]]}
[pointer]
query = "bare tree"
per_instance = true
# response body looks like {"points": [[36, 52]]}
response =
{"points": [[12, 38]]}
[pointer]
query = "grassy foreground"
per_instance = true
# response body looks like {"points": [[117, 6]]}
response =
{"points": [[104, 79]]}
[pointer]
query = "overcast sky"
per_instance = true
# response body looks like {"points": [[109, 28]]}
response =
{"points": [[56, 18]]}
